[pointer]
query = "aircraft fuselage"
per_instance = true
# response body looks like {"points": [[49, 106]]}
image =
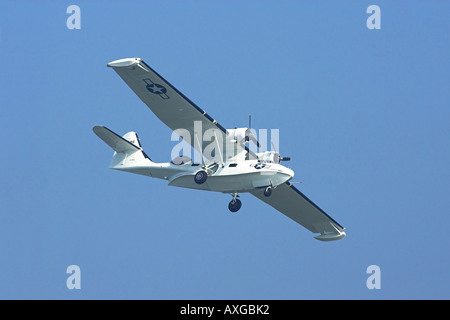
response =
{"points": [[235, 176]]}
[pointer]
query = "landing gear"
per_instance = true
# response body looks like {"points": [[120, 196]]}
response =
{"points": [[200, 177], [235, 204], [268, 191]]}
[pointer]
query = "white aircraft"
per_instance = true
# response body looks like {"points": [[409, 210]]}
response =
{"points": [[227, 164]]}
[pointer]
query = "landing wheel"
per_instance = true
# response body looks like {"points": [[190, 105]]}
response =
{"points": [[234, 205], [268, 191], [200, 177]]}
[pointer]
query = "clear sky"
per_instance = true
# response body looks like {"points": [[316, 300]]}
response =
{"points": [[363, 113]]}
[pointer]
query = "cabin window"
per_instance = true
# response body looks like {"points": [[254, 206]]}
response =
{"points": [[233, 165]]}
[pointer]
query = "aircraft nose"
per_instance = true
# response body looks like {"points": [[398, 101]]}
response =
{"points": [[290, 172]]}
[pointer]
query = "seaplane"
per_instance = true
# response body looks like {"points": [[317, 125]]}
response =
{"points": [[226, 163]]}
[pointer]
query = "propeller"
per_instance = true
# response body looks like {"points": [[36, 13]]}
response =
{"points": [[281, 158], [249, 136]]}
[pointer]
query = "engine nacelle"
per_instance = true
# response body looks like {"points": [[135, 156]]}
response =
{"points": [[269, 156], [237, 135]]}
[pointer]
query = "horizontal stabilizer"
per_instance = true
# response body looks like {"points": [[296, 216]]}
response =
{"points": [[116, 142]]}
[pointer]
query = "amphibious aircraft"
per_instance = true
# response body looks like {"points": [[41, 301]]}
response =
{"points": [[227, 163]]}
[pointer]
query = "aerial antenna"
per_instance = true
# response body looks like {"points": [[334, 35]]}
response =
{"points": [[248, 132]]}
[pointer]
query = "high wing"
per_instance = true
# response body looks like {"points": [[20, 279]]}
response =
{"points": [[167, 103], [291, 202]]}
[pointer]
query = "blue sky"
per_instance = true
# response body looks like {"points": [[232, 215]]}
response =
{"points": [[363, 113]]}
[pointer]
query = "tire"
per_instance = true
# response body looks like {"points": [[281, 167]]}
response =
{"points": [[268, 191], [200, 177], [234, 205]]}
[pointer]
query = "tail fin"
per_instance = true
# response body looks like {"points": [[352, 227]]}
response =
{"points": [[128, 151]]}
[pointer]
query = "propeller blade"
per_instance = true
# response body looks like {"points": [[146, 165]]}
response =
{"points": [[273, 146]]}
